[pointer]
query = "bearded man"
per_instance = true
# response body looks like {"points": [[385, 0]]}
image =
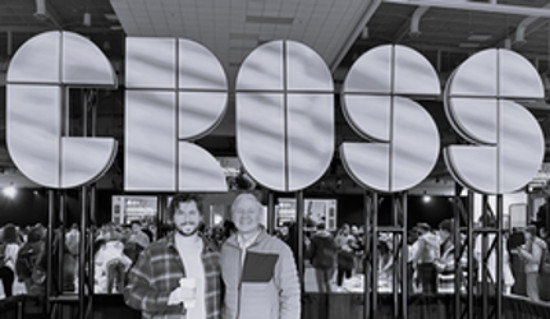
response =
{"points": [[178, 276]]}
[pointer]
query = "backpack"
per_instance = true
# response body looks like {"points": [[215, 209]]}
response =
{"points": [[26, 259]]}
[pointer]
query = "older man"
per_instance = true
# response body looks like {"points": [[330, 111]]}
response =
{"points": [[258, 270]]}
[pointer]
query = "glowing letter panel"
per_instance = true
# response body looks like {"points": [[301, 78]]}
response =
{"points": [[38, 79], [508, 144], [285, 115], [405, 139], [176, 93]]}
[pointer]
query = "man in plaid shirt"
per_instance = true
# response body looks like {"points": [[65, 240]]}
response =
{"points": [[155, 284]]}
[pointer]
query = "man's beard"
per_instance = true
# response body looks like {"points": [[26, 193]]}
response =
{"points": [[181, 232]]}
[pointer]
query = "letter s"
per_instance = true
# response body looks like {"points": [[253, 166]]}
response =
{"points": [[508, 143], [406, 139], [38, 81]]}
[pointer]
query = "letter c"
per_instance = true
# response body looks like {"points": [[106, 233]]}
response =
{"points": [[38, 81]]}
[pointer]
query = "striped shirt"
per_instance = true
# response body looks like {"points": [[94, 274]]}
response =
{"points": [[157, 273]]}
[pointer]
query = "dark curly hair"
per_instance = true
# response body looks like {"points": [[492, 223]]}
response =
{"points": [[182, 198]]}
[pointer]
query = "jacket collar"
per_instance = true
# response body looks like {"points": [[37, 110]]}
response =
{"points": [[233, 241]]}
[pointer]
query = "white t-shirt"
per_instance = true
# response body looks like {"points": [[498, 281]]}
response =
{"points": [[190, 249]]}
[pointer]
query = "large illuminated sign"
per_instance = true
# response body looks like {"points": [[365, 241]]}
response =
{"points": [[285, 115], [405, 139], [508, 144], [38, 80], [176, 92]]}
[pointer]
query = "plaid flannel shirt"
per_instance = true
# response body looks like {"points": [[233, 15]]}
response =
{"points": [[157, 273]]}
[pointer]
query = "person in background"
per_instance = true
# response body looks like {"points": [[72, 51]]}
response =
{"points": [[412, 275], [137, 241], [110, 265], [490, 221], [138, 236], [258, 269], [530, 253], [385, 260], [509, 279], [9, 248], [425, 252], [345, 261], [70, 259], [30, 265], [344, 237], [544, 268], [445, 264], [178, 276], [322, 252]]}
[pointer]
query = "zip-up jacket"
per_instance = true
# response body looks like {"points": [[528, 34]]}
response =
{"points": [[266, 285]]}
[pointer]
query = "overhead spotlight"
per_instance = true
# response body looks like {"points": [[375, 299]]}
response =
{"points": [[414, 29], [87, 19], [426, 198], [41, 12], [10, 191]]}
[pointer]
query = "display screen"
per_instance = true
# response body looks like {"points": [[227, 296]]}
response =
{"points": [[126, 209], [316, 211]]}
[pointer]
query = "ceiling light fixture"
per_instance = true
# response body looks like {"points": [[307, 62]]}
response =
{"points": [[426, 198], [87, 20], [10, 191], [45, 13], [415, 21], [41, 12]]}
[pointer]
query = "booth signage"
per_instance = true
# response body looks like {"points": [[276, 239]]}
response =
{"points": [[176, 92]]}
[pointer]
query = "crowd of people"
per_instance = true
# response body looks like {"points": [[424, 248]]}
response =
{"points": [[187, 266], [431, 261], [23, 259]]}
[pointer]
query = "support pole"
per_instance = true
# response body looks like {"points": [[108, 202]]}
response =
{"points": [[404, 258], [90, 251], [49, 248], [300, 235], [374, 253], [500, 257], [471, 275], [271, 221], [484, 259], [395, 283], [367, 269], [459, 245], [82, 298]]}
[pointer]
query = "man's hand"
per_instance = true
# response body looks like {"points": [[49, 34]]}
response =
{"points": [[176, 297], [181, 294]]}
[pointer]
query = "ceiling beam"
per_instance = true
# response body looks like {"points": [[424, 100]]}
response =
{"points": [[37, 29], [477, 6], [369, 12]]}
